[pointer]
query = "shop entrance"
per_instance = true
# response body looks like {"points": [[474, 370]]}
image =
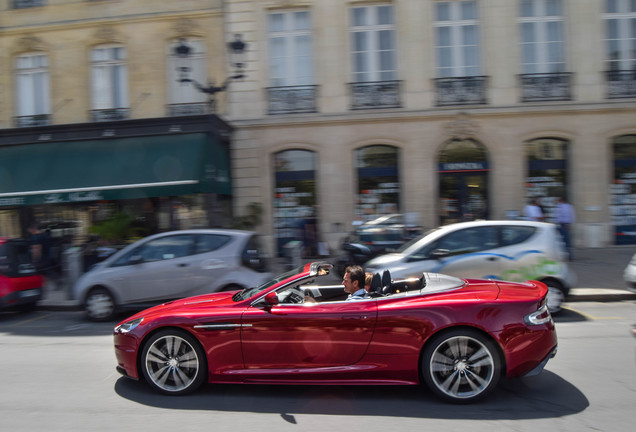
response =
{"points": [[463, 182]]}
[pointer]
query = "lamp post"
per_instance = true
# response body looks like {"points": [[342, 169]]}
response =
{"points": [[237, 50]]}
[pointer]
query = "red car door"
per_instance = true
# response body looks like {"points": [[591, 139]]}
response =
{"points": [[307, 335]]}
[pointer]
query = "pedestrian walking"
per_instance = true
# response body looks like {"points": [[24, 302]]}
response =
{"points": [[533, 211], [565, 218]]}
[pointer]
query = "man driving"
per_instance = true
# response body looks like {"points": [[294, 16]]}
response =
{"points": [[353, 282]]}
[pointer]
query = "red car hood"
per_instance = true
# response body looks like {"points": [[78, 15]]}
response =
{"points": [[187, 304]]}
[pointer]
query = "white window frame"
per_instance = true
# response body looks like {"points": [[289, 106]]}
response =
{"points": [[186, 93], [539, 47], [109, 78], [459, 65], [33, 86], [625, 42], [372, 56], [290, 48]]}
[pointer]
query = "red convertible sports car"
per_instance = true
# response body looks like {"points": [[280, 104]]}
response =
{"points": [[457, 336]]}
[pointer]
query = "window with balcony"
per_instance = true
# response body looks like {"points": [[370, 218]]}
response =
{"points": [[184, 98], [373, 58], [543, 76], [459, 80], [620, 42], [292, 87], [33, 97], [109, 84]]}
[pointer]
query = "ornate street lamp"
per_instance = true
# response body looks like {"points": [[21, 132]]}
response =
{"points": [[237, 50]]}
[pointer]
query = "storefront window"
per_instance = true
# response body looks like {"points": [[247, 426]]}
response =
{"points": [[463, 181], [547, 172], [623, 190], [295, 201], [378, 182]]}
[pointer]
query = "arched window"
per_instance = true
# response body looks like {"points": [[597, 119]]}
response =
{"points": [[623, 191], [378, 181], [547, 172], [295, 200], [463, 181]]}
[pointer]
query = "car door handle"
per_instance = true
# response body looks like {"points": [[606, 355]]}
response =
{"points": [[354, 317], [492, 258], [182, 265]]}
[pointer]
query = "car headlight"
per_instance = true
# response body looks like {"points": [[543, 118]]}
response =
{"points": [[128, 326]]}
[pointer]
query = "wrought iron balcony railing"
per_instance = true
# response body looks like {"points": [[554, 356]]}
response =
{"points": [[376, 94], [32, 120], [461, 91], [291, 99], [546, 87], [621, 84], [113, 114], [186, 109]]}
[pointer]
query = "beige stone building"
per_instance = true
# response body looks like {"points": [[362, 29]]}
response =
{"points": [[443, 110], [348, 109], [95, 116]]}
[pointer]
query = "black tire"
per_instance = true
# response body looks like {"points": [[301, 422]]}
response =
{"points": [[461, 365], [99, 305], [556, 296], [173, 362]]}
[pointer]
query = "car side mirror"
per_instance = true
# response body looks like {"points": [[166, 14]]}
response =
{"points": [[136, 259], [271, 299]]}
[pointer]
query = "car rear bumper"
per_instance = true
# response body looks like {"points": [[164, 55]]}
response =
{"points": [[537, 370], [22, 297]]}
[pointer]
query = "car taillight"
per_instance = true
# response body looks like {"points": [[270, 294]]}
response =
{"points": [[541, 316]]}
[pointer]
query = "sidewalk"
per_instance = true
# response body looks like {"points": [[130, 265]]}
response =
{"points": [[599, 273]]}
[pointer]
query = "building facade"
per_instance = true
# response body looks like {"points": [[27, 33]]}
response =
{"points": [[96, 117], [442, 110]]}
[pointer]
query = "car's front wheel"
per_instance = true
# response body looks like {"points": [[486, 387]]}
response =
{"points": [[461, 365], [99, 305], [173, 362]]}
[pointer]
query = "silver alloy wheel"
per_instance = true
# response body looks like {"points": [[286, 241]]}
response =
{"points": [[172, 363], [99, 305], [462, 367]]}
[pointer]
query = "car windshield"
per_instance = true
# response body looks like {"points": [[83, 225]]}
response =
{"points": [[249, 292], [410, 243]]}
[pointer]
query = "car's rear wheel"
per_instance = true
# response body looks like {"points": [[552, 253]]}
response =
{"points": [[461, 365], [556, 296], [99, 305], [173, 362]]}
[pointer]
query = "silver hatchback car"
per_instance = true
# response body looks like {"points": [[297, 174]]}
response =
{"points": [[507, 250], [171, 265]]}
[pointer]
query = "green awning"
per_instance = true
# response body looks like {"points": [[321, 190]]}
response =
{"points": [[112, 169]]}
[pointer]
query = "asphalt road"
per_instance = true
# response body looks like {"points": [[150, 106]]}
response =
{"points": [[58, 375]]}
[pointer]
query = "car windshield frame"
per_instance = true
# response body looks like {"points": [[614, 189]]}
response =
{"points": [[251, 292], [302, 272]]}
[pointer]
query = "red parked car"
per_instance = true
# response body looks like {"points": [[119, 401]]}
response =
{"points": [[20, 285], [456, 336]]}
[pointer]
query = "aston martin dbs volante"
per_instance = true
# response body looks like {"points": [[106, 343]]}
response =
{"points": [[457, 336]]}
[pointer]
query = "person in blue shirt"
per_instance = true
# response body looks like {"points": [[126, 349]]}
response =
{"points": [[353, 282]]}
